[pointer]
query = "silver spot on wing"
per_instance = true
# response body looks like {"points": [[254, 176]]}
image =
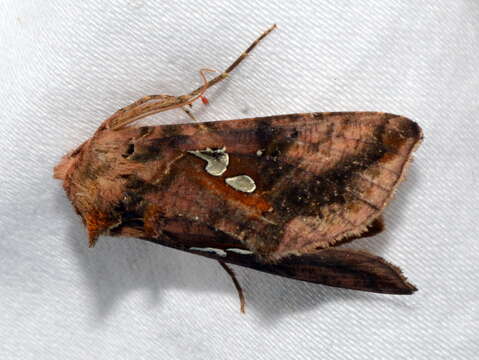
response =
{"points": [[216, 251], [241, 183], [217, 160], [240, 251]]}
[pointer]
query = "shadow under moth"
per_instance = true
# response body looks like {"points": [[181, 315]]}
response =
{"points": [[276, 194]]}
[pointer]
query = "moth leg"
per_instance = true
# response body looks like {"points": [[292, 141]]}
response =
{"points": [[198, 93], [141, 108], [226, 73], [236, 283], [189, 113]]}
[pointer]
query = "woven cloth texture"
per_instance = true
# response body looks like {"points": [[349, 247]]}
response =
{"points": [[67, 65]]}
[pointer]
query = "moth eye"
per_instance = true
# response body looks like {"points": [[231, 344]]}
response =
{"points": [[241, 183], [217, 160]]}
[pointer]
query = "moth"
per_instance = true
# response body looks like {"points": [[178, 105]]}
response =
{"points": [[277, 194]]}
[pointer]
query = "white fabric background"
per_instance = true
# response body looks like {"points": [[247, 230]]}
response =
{"points": [[67, 65]]}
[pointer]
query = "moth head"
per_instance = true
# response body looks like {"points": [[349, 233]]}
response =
{"points": [[67, 164], [85, 191]]}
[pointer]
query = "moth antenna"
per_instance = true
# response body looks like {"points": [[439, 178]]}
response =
{"points": [[143, 107], [236, 283], [226, 73]]}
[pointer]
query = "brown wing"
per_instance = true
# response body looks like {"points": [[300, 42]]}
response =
{"points": [[345, 268], [319, 177]]}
